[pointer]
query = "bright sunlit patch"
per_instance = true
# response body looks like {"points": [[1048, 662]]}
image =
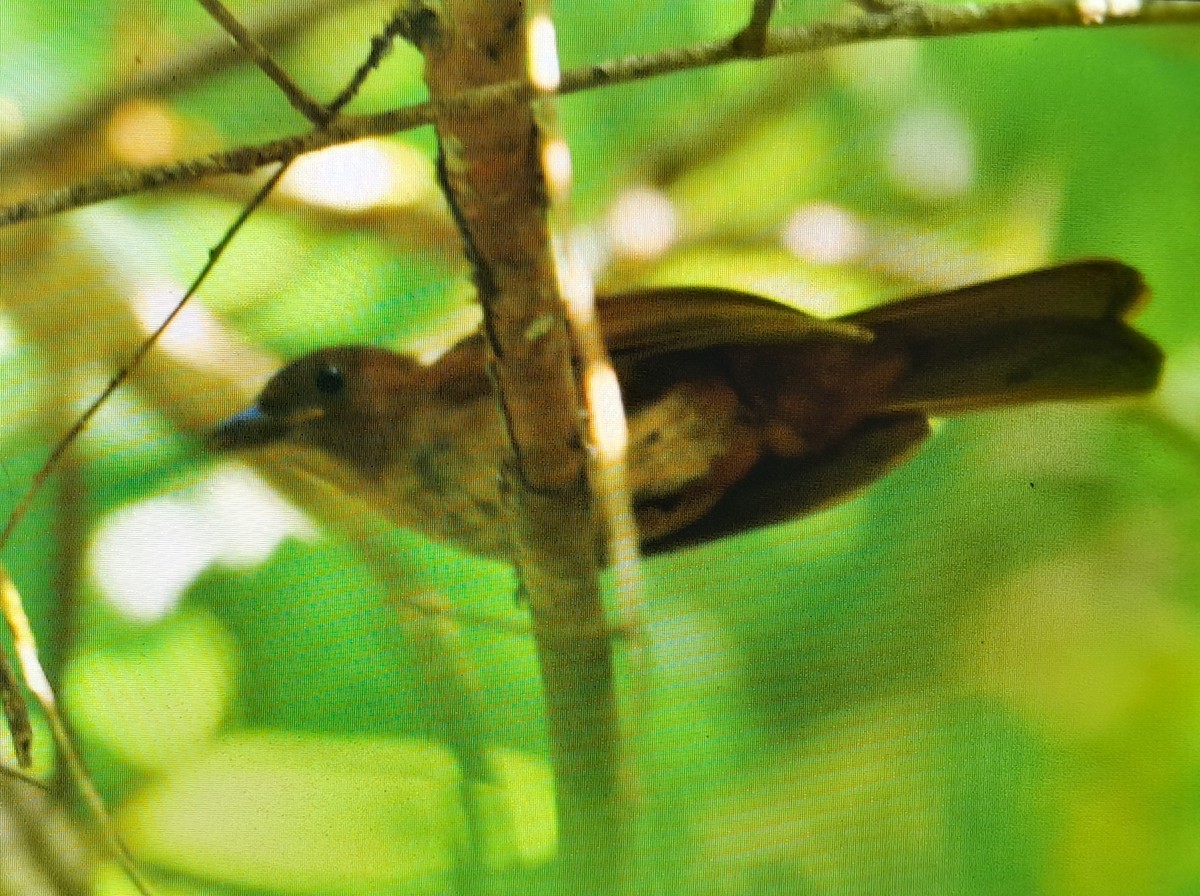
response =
{"points": [[145, 556], [274, 810], [12, 122], [160, 701], [359, 176], [610, 430], [143, 132], [802, 292], [932, 259], [643, 223], [931, 154], [556, 160], [529, 790], [192, 335], [825, 234], [252, 517], [544, 72]]}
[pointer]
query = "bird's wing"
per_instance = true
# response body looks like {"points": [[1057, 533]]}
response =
{"points": [[650, 322], [780, 488]]}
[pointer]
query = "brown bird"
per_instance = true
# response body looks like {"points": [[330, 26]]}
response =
{"points": [[742, 411]]}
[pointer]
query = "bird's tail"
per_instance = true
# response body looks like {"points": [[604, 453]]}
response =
{"points": [[1054, 334]]}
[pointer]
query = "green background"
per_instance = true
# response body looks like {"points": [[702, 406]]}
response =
{"points": [[981, 677]]}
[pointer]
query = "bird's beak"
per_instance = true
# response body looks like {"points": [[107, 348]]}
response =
{"points": [[251, 428]]}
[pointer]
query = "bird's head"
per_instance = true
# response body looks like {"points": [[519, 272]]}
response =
{"points": [[347, 401]]}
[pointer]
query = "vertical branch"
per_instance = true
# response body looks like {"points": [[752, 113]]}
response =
{"points": [[490, 167], [608, 429], [456, 692]]}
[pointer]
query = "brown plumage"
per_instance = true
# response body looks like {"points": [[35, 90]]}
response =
{"points": [[742, 411]]}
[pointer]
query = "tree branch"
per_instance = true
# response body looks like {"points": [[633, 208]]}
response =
{"points": [[492, 171], [903, 22]]}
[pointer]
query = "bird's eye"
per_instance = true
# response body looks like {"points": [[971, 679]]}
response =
{"points": [[330, 380]]}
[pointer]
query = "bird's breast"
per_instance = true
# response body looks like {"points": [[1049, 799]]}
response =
{"points": [[445, 477]]}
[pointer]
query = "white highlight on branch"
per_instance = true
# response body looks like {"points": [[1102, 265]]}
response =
{"points": [[556, 162], [577, 287], [23, 641], [35, 675], [1094, 12], [609, 429], [544, 71]]}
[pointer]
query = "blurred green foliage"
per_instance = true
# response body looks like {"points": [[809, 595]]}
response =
{"points": [[980, 677]]}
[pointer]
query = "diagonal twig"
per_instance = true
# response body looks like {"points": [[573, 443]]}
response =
{"points": [[300, 100], [280, 22]]}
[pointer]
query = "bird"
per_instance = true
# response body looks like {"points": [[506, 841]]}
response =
{"points": [[742, 411]]}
